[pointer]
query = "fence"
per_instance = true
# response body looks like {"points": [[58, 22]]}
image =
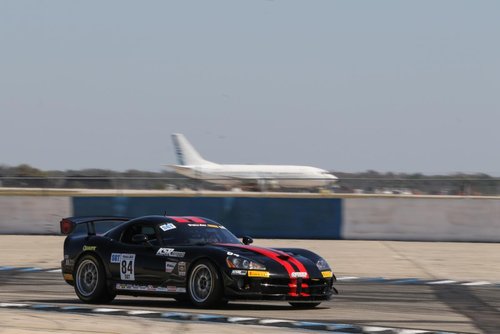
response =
{"points": [[486, 186]]}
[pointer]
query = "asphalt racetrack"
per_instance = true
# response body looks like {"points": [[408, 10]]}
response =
{"points": [[32, 299]]}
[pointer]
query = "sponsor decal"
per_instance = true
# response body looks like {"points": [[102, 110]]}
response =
{"points": [[169, 266], [256, 273], [127, 265], [197, 225], [115, 258], [213, 226], [166, 227], [151, 288], [182, 268], [327, 274], [170, 252], [121, 286], [68, 261], [232, 254], [239, 272], [89, 248], [297, 274]]}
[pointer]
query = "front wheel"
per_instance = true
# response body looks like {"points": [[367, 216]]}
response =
{"points": [[304, 305], [205, 285], [90, 281]]}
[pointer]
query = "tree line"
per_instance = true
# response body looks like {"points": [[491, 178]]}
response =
{"points": [[368, 182]]}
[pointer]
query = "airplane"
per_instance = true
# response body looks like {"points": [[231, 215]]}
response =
{"points": [[192, 165]]}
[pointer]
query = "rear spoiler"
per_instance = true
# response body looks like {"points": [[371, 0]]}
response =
{"points": [[68, 225]]}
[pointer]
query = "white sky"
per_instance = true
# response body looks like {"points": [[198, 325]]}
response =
{"points": [[402, 86]]}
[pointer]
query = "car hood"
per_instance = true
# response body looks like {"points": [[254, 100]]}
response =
{"points": [[274, 259]]}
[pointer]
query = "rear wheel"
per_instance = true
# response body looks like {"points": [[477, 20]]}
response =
{"points": [[90, 281], [304, 305], [205, 286]]}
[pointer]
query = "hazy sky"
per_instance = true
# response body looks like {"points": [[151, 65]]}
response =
{"points": [[402, 86]]}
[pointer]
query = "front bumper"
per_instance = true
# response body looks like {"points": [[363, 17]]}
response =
{"points": [[279, 288]]}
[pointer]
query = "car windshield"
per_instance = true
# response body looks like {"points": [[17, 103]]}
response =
{"points": [[195, 234]]}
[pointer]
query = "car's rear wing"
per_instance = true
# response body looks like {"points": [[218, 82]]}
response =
{"points": [[88, 224]]}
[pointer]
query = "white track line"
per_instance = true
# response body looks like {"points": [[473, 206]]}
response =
{"points": [[477, 283], [447, 281], [140, 312], [347, 278], [107, 310]]}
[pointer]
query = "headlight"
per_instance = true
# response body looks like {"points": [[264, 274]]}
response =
{"points": [[243, 263], [322, 264]]}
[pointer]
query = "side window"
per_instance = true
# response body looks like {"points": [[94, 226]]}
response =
{"points": [[147, 230]]}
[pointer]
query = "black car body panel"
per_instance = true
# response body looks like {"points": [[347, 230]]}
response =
{"points": [[160, 265]]}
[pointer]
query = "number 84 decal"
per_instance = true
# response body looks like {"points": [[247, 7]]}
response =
{"points": [[127, 265]]}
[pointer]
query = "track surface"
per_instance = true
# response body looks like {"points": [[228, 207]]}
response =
{"points": [[440, 307], [454, 308]]}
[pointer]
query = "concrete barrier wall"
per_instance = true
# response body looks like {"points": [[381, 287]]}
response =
{"points": [[33, 214], [432, 219], [313, 217], [318, 218]]}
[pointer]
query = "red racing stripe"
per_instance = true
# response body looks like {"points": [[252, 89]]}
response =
{"points": [[270, 254], [305, 286], [196, 219], [296, 262], [274, 255], [293, 287], [179, 219], [301, 268]]}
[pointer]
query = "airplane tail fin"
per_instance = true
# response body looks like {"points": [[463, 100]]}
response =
{"points": [[186, 154]]}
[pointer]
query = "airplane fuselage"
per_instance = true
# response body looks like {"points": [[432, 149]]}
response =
{"points": [[275, 175], [192, 164]]}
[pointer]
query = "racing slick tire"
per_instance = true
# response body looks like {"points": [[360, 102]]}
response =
{"points": [[90, 281], [304, 305], [205, 287]]}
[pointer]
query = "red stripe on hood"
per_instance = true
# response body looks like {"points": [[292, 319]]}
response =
{"points": [[296, 262], [269, 254], [274, 254]]}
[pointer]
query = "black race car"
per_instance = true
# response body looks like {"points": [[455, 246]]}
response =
{"points": [[187, 258]]}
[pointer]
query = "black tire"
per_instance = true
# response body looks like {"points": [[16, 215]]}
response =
{"points": [[205, 287], [90, 281], [304, 305]]}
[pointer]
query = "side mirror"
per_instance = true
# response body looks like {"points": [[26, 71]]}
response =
{"points": [[247, 240], [139, 238]]}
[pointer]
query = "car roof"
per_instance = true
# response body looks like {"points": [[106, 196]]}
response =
{"points": [[157, 219]]}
